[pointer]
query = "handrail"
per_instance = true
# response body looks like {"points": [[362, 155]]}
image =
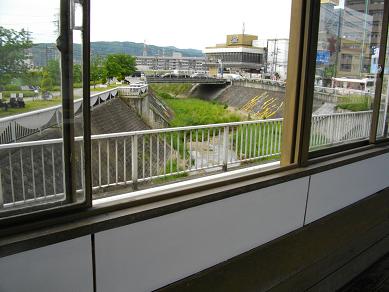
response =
{"points": [[31, 113], [163, 130], [139, 157]]}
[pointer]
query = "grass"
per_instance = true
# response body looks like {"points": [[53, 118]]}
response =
{"points": [[30, 106], [37, 104], [99, 89], [174, 89], [354, 103], [171, 167], [193, 111], [258, 140]]}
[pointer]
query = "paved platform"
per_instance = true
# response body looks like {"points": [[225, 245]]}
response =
{"points": [[375, 278]]}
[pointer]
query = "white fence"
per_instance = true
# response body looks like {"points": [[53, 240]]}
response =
{"points": [[31, 172], [16, 127]]}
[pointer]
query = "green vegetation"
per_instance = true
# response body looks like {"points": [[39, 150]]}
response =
{"points": [[171, 167], [354, 103], [258, 140], [98, 72], [13, 47], [193, 111], [172, 89], [99, 89], [119, 66], [190, 112], [30, 106]]}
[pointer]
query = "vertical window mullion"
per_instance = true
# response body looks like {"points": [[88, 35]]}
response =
{"points": [[65, 45], [86, 103], [380, 75], [300, 84]]}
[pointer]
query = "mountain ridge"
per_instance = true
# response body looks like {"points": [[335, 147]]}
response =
{"points": [[43, 52]]}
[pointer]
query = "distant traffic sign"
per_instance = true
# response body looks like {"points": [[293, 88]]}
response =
{"points": [[323, 57]]}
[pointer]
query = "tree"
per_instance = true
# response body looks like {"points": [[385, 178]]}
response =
{"points": [[98, 71], [119, 66], [47, 82], [54, 71], [77, 73], [32, 77], [13, 56]]}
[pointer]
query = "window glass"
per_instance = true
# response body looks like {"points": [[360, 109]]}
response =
{"points": [[346, 66], [192, 97], [31, 113]]}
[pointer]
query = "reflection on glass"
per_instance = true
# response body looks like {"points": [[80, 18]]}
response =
{"points": [[346, 64]]}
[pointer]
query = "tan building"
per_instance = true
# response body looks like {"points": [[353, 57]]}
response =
{"points": [[238, 54]]}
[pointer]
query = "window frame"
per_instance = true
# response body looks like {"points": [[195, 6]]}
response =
{"points": [[372, 139], [297, 115], [65, 46]]}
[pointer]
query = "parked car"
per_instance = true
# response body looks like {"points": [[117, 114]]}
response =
{"points": [[199, 75], [170, 75]]}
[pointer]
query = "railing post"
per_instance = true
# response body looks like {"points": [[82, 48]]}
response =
{"points": [[1, 192], [225, 147], [134, 161], [57, 117], [13, 131]]}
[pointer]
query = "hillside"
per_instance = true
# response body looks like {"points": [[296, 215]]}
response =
{"points": [[43, 52]]}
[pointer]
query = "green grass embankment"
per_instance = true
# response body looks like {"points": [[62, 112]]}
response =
{"points": [[173, 89], [30, 106], [355, 103]]}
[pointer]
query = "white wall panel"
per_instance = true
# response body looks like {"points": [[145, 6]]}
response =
{"points": [[153, 253], [66, 266], [337, 188]]}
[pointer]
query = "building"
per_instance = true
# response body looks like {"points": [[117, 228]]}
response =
{"points": [[344, 49], [375, 9], [238, 54], [175, 62]]}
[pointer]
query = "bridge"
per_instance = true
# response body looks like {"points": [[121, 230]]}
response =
{"points": [[208, 80]]}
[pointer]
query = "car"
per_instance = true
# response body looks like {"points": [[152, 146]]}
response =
{"points": [[199, 75], [169, 75]]}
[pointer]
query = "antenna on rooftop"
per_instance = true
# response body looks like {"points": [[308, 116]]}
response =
{"points": [[243, 28]]}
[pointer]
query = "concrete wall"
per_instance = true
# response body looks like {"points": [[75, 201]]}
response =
{"points": [[153, 253]]}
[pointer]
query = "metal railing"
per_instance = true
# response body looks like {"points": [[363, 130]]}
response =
{"points": [[134, 90], [16, 127], [31, 172], [328, 129]]}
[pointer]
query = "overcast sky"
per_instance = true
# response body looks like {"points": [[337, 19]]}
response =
{"points": [[184, 24]]}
